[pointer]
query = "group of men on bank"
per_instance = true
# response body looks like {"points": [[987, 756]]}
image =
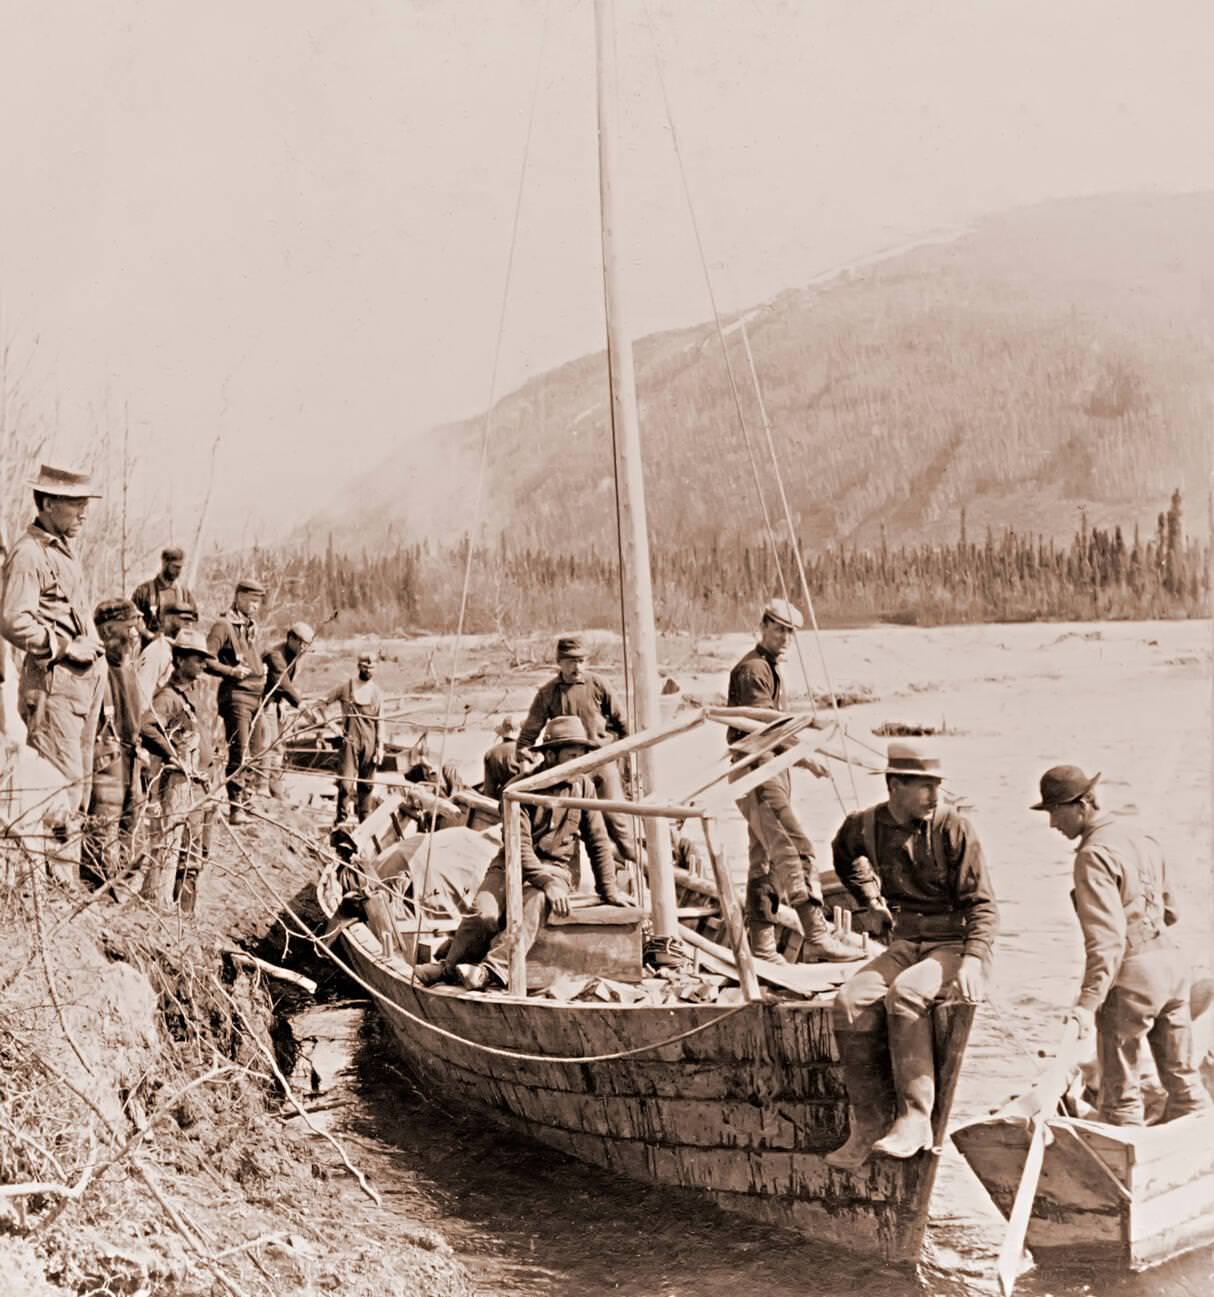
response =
{"points": [[119, 698]]}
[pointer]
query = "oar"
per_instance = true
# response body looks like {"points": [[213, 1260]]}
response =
{"points": [[1048, 1093]]}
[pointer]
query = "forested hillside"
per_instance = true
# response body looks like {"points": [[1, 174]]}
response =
{"points": [[1051, 359]]}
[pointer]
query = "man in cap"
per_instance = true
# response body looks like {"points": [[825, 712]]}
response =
{"points": [[916, 870], [1135, 986], [150, 596], [548, 841], [781, 854], [156, 657], [234, 645], [45, 612], [116, 803], [500, 761], [576, 691], [178, 737], [281, 663], [362, 741]]}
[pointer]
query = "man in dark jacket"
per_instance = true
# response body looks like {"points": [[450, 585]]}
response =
{"points": [[281, 664], [918, 874], [575, 691], [234, 644], [782, 865], [151, 596], [500, 761], [549, 840]]}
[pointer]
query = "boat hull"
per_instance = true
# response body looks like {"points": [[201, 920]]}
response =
{"points": [[742, 1111]]}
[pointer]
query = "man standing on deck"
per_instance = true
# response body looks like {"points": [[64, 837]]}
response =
{"points": [[234, 646], [781, 854], [1135, 987], [281, 664], [548, 840], [151, 596], [575, 691], [362, 739], [918, 874], [45, 613]]}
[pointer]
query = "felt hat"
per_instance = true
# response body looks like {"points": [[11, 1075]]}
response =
{"points": [[1063, 784], [505, 728], [192, 641], [564, 731], [65, 482], [912, 760], [570, 646]]}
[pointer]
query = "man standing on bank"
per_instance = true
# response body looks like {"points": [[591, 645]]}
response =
{"points": [[45, 613], [917, 871], [150, 596], [155, 664], [575, 691], [1135, 979], [281, 663], [781, 854], [362, 738], [233, 643]]}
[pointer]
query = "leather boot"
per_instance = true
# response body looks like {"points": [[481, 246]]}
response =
{"points": [[821, 945], [914, 1065], [870, 1095], [762, 938]]}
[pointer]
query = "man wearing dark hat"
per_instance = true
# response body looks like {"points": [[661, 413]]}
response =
{"points": [[575, 691], [281, 663], [500, 761], [1135, 986], [549, 839], [178, 737], [234, 644], [116, 804], [917, 872], [782, 862], [362, 738], [150, 596], [46, 613]]}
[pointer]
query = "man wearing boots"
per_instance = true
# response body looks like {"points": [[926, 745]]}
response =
{"points": [[234, 645], [177, 737], [781, 854], [1135, 980], [549, 838], [918, 874], [362, 738]]}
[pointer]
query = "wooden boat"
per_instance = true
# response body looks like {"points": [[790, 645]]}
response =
{"points": [[737, 1099], [1109, 1196]]}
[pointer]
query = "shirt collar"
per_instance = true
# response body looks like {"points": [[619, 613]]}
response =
{"points": [[1102, 822], [49, 538]]}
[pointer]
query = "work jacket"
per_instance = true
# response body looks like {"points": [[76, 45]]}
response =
{"points": [[150, 595], [549, 836], [755, 681], [280, 667], [45, 603], [233, 642], [590, 700]]}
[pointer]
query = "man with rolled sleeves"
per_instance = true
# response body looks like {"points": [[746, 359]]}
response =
{"points": [[45, 612], [782, 862], [234, 644], [362, 738], [1135, 987], [575, 691], [917, 872], [281, 663], [151, 596]]}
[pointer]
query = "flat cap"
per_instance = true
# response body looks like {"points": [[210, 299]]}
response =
{"points": [[179, 604], [111, 610], [250, 585], [570, 646], [172, 551], [783, 613], [368, 658], [303, 632]]}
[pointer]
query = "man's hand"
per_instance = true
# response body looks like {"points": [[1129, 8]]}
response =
{"points": [[82, 651], [815, 768], [969, 982], [875, 919], [379, 756], [1083, 1017], [557, 893], [240, 671]]}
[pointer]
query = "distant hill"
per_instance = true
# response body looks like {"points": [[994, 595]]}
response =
{"points": [[1049, 359]]}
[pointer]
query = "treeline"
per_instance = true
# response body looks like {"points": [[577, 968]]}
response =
{"points": [[1099, 574]]}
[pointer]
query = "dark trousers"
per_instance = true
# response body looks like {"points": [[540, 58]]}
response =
{"points": [[237, 710], [116, 808], [780, 849], [355, 771], [609, 786]]}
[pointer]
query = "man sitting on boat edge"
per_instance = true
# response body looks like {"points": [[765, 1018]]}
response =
{"points": [[1135, 985], [919, 874], [549, 842]]}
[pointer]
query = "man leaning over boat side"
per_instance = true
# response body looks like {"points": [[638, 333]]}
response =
{"points": [[577, 691], [782, 864], [548, 841], [1135, 987], [918, 872]]}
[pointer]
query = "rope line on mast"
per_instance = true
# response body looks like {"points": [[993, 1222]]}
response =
{"points": [[487, 431]]}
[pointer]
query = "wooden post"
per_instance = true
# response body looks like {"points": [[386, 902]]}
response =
{"points": [[512, 814], [731, 912], [636, 579]]}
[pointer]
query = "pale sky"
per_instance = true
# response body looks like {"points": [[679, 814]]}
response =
{"points": [[287, 221]]}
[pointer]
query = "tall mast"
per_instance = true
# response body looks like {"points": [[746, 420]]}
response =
{"points": [[634, 534]]}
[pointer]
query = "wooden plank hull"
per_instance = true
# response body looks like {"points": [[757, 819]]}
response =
{"points": [[741, 1112], [1113, 1196]]}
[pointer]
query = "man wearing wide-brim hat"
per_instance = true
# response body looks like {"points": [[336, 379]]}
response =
{"points": [[45, 612], [782, 865], [234, 642], [548, 839], [500, 761], [156, 657], [176, 733], [150, 596], [1135, 986], [917, 873], [577, 691]]}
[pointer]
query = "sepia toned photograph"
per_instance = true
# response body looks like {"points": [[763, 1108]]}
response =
{"points": [[605, 648]]}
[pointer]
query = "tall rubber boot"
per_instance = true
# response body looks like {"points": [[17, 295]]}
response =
{"points": [[870, 1096], [762, 938], [821, 945], [914, 1066]]}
